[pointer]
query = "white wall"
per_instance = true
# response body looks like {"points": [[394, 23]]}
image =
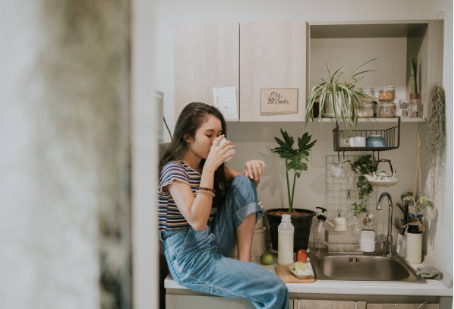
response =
{"points": [[144, 159], [254, 140]]}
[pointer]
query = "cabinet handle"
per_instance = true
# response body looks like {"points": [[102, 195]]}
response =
{"points": [[422, 305]]}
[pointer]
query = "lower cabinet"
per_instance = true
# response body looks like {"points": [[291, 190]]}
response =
{"points": [[335, 304], [403, 306], [202, 302], [327, 304], [177, 301]]}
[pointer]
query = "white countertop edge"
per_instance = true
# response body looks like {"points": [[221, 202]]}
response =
{"points": [[429, 288]]}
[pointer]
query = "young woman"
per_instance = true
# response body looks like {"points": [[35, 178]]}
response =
{"points": [[193, 180]]}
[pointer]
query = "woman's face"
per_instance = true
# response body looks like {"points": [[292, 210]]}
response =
{"points": [[210, 129]]}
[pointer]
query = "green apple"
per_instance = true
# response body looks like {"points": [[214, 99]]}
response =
{"points": [[267, 258]]}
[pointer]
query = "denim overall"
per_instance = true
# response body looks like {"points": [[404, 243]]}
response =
{"points": [[199, 260]]}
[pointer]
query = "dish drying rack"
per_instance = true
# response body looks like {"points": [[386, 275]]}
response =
{"points": [[339, 196]]}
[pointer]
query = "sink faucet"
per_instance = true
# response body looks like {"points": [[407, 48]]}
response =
{"points": [[389, 237]]}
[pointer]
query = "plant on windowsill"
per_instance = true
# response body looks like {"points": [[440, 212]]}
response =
{"points": [[295, 160], [339, 88]]}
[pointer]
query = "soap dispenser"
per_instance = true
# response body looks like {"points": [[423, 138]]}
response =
{"points": [[320, 245]]}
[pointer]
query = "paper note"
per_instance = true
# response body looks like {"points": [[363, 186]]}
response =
{"points": [[224, 98], [276, 101]]}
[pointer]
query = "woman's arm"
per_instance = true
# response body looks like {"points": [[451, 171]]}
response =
{"points": [[253, 170], [196, 210]]}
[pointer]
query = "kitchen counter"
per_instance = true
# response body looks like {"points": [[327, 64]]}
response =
{"points": [[428, 288]]}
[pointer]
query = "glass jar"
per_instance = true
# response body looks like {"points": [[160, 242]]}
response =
{"points": [[387, 94], [387, 110], [365, 110], [370, 91]]}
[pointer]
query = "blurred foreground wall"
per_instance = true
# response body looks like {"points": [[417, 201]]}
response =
{"points": [[64, 154]]}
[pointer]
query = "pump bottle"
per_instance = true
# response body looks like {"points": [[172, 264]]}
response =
{"points": [[320, 246]]}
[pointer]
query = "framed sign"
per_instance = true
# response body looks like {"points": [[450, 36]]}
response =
{"points": [[274, 101]]}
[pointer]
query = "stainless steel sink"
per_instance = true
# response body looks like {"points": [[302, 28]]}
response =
{"points": [[362, 268]]}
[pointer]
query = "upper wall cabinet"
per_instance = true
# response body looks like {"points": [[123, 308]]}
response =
{"points": [[272, 55], [206, 56]]}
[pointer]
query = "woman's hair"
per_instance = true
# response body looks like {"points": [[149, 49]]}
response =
{"points": [[191, 118]]}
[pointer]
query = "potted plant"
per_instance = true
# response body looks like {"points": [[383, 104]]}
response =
{"points": [[418, 205], [362, 166], [294, 161], [337, 96], [414, 95]]}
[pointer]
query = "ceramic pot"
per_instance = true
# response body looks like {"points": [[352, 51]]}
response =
{"points": [[302, 227]]}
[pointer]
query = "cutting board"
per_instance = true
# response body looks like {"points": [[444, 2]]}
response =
{"points": [[284, 273]]}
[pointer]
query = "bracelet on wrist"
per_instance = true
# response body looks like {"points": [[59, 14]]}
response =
{"points": [[207, 189], [205, 192]]}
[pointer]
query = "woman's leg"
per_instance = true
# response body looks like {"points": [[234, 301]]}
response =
{"points": [[235, 220], [194, 262], [245, 234]]}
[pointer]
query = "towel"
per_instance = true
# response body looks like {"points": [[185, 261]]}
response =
{"points": [[429, 272]]}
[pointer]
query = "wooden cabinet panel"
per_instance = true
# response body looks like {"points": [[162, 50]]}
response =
{"points": [[272, 55], [192, 301], [402, 306], [206, 56], [327, 304]]}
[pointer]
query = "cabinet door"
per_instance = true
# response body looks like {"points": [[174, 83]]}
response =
{"points": [[327, 304], [272, 55], [206, 56], [402, 306], [192, 301]]}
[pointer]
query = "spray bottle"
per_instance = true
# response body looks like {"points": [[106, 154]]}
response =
{"points": [[320, 245]]}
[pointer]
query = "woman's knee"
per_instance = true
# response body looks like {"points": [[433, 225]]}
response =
{"points": [[242, 181], [243, 186]]}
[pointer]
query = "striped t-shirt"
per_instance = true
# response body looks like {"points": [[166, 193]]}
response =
{"points": [[170, 217]]}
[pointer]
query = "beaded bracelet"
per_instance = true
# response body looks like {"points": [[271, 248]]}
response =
{"points": [[205, 192], [207, 189], [202, 191]]}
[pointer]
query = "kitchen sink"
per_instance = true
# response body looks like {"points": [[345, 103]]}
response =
{"points": [[362, 268]]}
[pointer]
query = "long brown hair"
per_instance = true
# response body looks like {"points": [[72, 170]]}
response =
{"points": [[190, 119]]}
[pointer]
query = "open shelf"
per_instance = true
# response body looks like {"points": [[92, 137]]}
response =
{"points": [[336, 44], [391, 135], [378, 120]]}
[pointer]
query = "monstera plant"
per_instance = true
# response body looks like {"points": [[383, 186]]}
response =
{"points": [[295, 158]]}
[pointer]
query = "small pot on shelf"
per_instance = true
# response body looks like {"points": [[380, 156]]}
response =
{"points": [[415, 109]]}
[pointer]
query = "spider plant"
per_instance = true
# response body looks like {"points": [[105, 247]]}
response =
{"points": [[339, 91]]}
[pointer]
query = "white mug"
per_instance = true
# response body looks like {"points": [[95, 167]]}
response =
{"points": [[356, 141], [230, 151]]}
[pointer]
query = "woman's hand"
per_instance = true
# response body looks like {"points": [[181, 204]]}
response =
{"points": [[218, 153], [254, 170]]}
